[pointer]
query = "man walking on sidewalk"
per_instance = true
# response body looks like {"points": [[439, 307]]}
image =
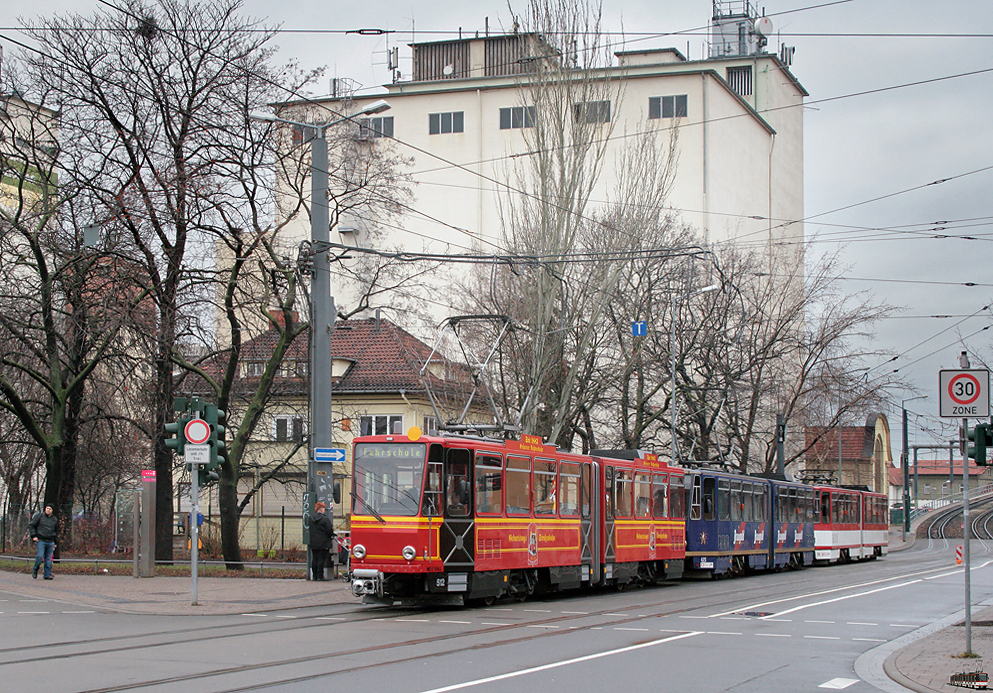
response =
{"points": [[44, 529]]}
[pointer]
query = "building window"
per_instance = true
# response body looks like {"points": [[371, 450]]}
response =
{"points": [[592, 112], [430, 425], [517, 117], [254, 369], [667, 106], [445, 123], [740, 80], [373, 128], [380, 425], [287, 428], [302, 369]]}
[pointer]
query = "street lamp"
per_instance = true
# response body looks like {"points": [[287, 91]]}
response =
{"points": [[322, 309], [905, 461], [672, 354]]}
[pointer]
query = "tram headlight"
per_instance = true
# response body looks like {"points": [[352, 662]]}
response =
{"points": [[408, 553], [358, 551]]}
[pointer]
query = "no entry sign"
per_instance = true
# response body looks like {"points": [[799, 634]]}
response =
{"points": [[965, 393]]}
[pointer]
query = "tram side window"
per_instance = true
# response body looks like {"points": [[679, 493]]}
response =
{"points": [[622, 493], [642, 494], [723, 499], [709, 498], [569, 489], [660, 493], [545, 483], [825, 506], [677, 497], [737, 504], [489, 485], [518, 493], [782, 506]]}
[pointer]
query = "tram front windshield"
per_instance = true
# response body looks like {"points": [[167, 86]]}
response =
{"points": [[388, 478]]}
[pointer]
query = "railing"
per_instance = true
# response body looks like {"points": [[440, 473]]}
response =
{"points": [[984, 492]]}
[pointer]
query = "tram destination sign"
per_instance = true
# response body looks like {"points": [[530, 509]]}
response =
{"points": [[964, 393]]}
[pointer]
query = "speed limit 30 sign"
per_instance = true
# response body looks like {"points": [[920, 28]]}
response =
{"points": [[965, 393]]}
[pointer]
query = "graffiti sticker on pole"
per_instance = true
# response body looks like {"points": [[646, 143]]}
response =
{"points": [[964, 393]]}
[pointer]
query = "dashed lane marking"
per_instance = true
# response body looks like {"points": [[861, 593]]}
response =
{"points": [[859, 623], [330, 618], [414, 620], [772, 635], [838, 684], [459, 623], [820, 637], [637, 629], [868, 640], [818, 621]]}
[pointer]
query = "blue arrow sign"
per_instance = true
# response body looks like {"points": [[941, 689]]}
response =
{"points": [[329, 454]]}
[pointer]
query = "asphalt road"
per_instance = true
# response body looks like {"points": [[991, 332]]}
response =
{"points": [[781, 632]]}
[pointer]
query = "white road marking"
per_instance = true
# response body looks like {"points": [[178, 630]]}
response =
{"points": [[460, 623], [858, 623], [555, 665], [539, 611], [33, 612], [838, 684], [281, 616], [902, 625], [541, 626], [580, 613], [818, 621], [867, 640], [718, 632], [638, 629], [820, 637], [734, 618], [773, 635], [849, 596], [330, 618], [498, 609], [777, 620], [79, 612], [617, 614], [413, 620], [259, 615], [489, 623]]}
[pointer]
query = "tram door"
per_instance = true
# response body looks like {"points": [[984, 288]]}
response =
{"points": [[608, 518], [590, 519], [457, 535]]}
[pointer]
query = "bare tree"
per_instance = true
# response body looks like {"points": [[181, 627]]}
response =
{"points": [[153, 102]]}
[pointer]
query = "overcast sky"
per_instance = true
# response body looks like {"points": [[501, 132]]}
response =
{"points": [[924, 119]]}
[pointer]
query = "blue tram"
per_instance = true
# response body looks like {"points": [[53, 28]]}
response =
{"points": [[737, 524]]}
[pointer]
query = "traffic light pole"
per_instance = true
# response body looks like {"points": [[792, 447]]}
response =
{"points": [[194, 531]]}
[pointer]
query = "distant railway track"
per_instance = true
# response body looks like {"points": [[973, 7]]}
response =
{"points": [[948, 523]]}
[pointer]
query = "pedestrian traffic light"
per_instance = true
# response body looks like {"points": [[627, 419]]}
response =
{"points": [[980, 438]]}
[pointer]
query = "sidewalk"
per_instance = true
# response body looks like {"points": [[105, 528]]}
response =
{"points": [[171, 596]]}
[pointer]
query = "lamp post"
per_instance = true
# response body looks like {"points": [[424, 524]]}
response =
{"points": [[322, 308], [905, 461], [672, 354]]}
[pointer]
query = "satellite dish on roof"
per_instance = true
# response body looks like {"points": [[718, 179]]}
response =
{"points": [[763, 26]]}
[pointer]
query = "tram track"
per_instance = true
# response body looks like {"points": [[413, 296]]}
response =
{"points": [[400, 652]]}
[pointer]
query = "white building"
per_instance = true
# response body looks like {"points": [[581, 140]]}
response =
{"points": [[461, 116]]}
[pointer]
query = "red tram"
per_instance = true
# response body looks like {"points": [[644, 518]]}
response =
{"points": [[456, 519], [851, 524]]}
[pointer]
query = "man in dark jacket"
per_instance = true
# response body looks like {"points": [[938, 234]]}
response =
{"points": [[44, 529], [321, 540]]}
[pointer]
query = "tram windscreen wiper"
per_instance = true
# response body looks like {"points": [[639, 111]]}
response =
{"points": [[371, 509]]}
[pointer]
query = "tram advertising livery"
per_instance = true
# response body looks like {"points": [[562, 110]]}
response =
{"points": [[459, 519]]}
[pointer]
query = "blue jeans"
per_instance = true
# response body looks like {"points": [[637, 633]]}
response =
{"points": [[44, 555]]}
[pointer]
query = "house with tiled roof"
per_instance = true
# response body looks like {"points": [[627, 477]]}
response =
{"points": [[377, 387], [859, 455]]}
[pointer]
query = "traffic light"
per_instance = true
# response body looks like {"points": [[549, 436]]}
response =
{"points": [[980, 438], [215, 418], [175, 438]]}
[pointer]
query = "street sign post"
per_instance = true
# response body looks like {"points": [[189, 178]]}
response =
{"points": [[964, 393]]}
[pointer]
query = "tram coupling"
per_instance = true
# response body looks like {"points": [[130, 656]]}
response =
{"points": [[367, 582]]}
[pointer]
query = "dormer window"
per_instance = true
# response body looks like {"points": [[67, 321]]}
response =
{"points": [[254, 369]]}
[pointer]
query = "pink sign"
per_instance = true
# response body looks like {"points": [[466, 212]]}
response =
{"points": [[148, 475]]}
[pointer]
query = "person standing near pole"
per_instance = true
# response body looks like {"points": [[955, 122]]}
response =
{"points": [[321, 540], [44, 529]]}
